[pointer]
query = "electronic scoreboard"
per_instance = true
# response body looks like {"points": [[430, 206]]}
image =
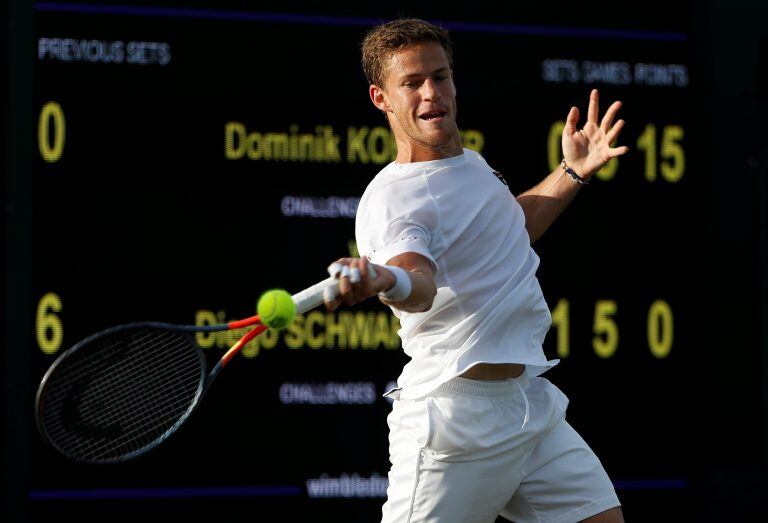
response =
{"points": [[175, 146]]}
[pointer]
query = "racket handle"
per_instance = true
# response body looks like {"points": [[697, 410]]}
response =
{"points": [[311, 297]]}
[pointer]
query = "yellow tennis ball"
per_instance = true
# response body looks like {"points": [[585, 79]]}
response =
{"points": [[276, 308]]}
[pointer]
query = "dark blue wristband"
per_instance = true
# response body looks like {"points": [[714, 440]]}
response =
{"points": [[574, 176]]}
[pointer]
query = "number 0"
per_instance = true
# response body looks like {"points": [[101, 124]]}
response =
{"points": [[554, 148], [51, 115], [660, 329]]}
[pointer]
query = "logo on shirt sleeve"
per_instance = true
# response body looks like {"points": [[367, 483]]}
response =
{"points": [[501, 178]]}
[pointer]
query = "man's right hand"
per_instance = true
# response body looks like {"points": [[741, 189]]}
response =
{"points": [[356, 282]]}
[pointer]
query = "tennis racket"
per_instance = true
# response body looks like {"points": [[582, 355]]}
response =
{"points": [[121, 392]]}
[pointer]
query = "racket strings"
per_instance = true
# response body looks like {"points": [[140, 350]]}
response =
{"points": [[128, 381], [97, 389], [121, 392], [95, 354], [86, 361], [141, 432], [134, 391]]}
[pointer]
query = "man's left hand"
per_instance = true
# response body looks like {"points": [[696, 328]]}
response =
{"points": [[588, 149]]}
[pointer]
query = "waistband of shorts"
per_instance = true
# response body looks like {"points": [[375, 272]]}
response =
{"points": [[488, 389]]}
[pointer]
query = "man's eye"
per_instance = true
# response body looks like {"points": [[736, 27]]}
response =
{"points": [[441, 77]]}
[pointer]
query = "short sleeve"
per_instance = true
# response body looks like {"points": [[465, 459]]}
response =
{"points": [[397, 218]]}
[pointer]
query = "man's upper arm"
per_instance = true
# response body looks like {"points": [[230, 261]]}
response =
{"points": [[397, 218]]}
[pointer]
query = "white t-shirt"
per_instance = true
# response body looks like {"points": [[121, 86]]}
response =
{"points": [[489, 306]]}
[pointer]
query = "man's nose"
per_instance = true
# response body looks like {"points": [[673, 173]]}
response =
{"points": [[429, 90]]}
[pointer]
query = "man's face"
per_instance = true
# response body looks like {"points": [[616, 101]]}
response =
{"points": [[419, 97]]}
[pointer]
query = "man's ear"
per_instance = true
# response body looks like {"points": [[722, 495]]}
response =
{"points": [[379, 98]]}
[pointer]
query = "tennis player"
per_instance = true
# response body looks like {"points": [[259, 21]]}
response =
{"points": [[474, 431]]}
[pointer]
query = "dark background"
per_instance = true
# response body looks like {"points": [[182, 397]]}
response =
{"points": [[143, 217]]}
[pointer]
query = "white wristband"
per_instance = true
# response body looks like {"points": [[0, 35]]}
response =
{"points": [[402, 288]]}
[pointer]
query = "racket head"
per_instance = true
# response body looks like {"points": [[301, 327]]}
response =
{"points": [[120, 392]]}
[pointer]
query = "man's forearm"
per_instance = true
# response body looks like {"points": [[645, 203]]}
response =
{"points": [[543, 203], [423, 292]]}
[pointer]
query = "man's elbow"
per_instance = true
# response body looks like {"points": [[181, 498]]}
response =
{"points": [[426, 304], [422, 303], [533, 234], [414, 307], [422, 307]]}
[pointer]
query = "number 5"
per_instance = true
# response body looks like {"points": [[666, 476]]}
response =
{"points": [[605, 325]]}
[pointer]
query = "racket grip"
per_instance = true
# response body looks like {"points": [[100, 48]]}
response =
{"points": [[312, 296]]}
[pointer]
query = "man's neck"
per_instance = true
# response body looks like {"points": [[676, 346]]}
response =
{"points": [[408, 152]]}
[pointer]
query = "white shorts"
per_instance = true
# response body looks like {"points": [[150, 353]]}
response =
{"points": [[473, 450]]}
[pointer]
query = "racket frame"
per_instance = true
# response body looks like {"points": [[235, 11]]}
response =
{"points": [[305, 300]]}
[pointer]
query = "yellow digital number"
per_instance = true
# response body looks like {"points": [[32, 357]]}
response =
{"points": [[554, 144], [660, 328], [606, 338], [48, 325], [671, 150], [561, 321], [51, 115], [647, 142], [609, 170], [673, 165], [352, 246]]}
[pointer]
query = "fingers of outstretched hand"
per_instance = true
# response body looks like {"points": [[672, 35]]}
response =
{"points": [[571, 121], [594, 107], [609, 116], [613, 152], [613, 133]]}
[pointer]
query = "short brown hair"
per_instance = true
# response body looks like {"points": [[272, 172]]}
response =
{"points": [[383, 41]]}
